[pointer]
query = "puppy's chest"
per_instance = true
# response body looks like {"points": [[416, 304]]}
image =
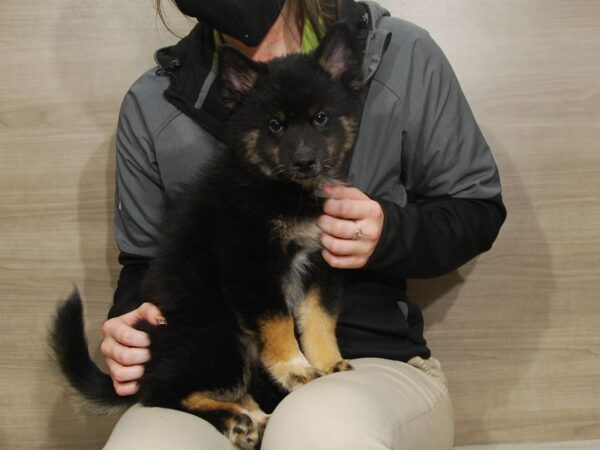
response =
{"points": [[299, 241]]}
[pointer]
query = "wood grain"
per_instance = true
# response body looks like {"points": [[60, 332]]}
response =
{"points": [[516, 329]]}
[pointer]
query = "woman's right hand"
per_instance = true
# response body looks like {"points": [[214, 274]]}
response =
{"points": [[126, 349]]}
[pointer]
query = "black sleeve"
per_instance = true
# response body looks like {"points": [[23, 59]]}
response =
{"points": [[432, 237], [127, 295]]}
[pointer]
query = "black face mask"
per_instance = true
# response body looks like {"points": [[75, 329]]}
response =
{"points": [[246, 20]]}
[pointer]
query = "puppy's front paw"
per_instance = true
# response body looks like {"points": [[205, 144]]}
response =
{"points": [[341, 366], [297, 378]]}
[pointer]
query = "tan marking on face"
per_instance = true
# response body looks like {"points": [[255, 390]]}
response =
{"points": [[351, 129], [338, 153], [254, 157], [317, 332], [274, 154], [250, 139], [250, 144]]}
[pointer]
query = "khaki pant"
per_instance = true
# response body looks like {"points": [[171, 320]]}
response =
{"points": [[381, 405]]}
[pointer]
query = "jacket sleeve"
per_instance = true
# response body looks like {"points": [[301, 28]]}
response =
{"points": [[139, 199], [454, 209], [127, 295]]}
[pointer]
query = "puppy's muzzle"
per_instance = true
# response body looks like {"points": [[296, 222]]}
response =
{"points": [[305, 163]]}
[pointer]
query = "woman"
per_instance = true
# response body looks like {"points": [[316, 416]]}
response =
{"points": [[426, 196]]}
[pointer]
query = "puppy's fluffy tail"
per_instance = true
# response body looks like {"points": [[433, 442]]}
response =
{"points": [[67, 340]]}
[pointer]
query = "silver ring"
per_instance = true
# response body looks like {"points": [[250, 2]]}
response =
{"points": [[358, 233]]}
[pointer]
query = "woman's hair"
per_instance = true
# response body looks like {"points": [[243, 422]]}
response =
{"points": [[311, 10]]}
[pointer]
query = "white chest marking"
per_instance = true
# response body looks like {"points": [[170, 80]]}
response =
{"points": [[306, 236]]}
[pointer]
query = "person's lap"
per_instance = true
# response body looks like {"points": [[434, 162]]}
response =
{"points": [[382, 404]]}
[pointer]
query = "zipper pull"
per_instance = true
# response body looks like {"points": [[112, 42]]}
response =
{"points": [[169, 68]]}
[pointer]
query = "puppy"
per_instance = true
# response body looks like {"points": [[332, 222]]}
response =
{"points": [[239, 272]]}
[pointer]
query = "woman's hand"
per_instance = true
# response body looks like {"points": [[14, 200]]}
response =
{"points": [[126, 349], [351, 226]]}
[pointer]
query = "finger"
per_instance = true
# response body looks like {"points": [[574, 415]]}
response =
{"points": [[147, 311], [339, 228], [344, 262], [124, 374], [124, 333], [124, 389], [344, 192], [151, 314], [349, 208], [345, 247], [127, 356], [346, 229]]}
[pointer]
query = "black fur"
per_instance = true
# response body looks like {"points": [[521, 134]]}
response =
{"points": [[223, 266]]}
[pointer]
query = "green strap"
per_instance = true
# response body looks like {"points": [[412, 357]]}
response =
{"points": [[310, 41]]}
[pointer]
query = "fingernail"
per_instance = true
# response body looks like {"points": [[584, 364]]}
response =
{"points": [[161, 321]]}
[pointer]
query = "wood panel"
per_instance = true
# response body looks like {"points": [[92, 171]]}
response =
{"points": [[516, 330], [66, 66]]}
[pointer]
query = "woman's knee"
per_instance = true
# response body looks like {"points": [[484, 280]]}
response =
{"points": [[159, 428], [376, 407]]}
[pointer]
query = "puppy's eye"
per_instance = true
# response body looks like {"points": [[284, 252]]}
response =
{"points": [[275, 125], [321, 119]]}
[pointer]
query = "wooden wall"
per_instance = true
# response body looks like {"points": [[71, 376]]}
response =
{"points": [[517, 330]]}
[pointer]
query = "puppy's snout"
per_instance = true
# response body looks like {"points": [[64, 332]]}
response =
{"points": [[305, 162]]}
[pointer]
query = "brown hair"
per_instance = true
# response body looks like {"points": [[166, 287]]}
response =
{"points": [[311, 10], [161, 15]]}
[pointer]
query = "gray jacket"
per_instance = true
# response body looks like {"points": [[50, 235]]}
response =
{"points": [[419, 153]]}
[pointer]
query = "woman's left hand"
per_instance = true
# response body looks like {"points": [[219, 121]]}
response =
{"points": [[351, 226]]}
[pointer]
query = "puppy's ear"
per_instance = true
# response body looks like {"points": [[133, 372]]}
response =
{"points": [[339, 55], [237, 75]]}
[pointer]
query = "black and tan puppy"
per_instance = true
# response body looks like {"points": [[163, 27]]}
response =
{"points": [[239, 271]]}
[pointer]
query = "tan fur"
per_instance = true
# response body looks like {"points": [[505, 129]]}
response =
{"points": [[317, 332], [351, 128], [247, 420], [278, 341], [305, 233], [281, 354], [199, 401], [250, 140], [253, 155], [248, 402]]}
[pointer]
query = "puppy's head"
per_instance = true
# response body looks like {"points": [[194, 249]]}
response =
{"points": [[295, 118]]}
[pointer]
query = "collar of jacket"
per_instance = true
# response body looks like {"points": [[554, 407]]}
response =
{"points": [[190, 64]]}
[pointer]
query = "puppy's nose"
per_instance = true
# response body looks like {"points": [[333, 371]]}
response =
{"points": [[305, 162]]}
